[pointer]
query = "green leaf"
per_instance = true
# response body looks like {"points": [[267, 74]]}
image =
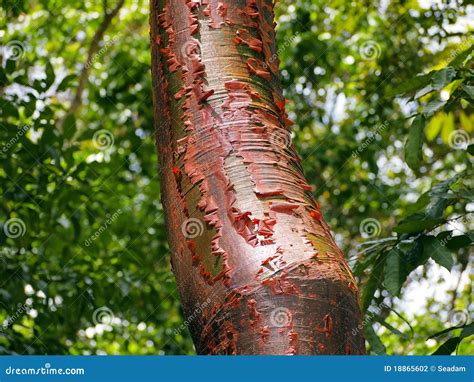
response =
{"points": [[434, 126], [456, 242], [394, 275], [469, 90], [394, 330], [448, 347], [412, 332], [415, 256], [437, 250], [413, 146], [69, 126], [442, 187], [461, 57], [444, 331], [10, 66], [66, 83], [433, 106], [50, 76], [448, 128], [3, 77], [374, 341], [76, 222], [416, 223], [55, 156], [366, 259], [411, 85], [443, 257], [30, 106], [424, 91], [436, 208], [443, 77], [470, 149], [467, 331], [420, 204], [7, 109], [373, 282]]}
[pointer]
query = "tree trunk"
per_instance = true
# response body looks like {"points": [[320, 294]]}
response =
{"points": [[257, 269]]}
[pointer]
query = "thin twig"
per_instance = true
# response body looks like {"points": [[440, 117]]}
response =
{"points": [[93, 48]]}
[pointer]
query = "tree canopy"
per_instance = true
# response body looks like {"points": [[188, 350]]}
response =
{"points": [[381, 94]]}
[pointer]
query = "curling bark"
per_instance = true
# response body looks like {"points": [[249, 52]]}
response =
{"points": [[257, 269]]}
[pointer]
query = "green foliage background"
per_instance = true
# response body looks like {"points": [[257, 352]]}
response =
{"points": [[382, 96]]}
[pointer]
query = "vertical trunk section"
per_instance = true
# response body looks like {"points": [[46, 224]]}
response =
{"points": [[257, 269]]}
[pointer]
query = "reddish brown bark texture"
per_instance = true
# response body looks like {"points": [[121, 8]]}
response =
{"points": [[245, 231]]}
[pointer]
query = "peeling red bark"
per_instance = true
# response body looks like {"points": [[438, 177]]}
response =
{"points": [[260, 250]]}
